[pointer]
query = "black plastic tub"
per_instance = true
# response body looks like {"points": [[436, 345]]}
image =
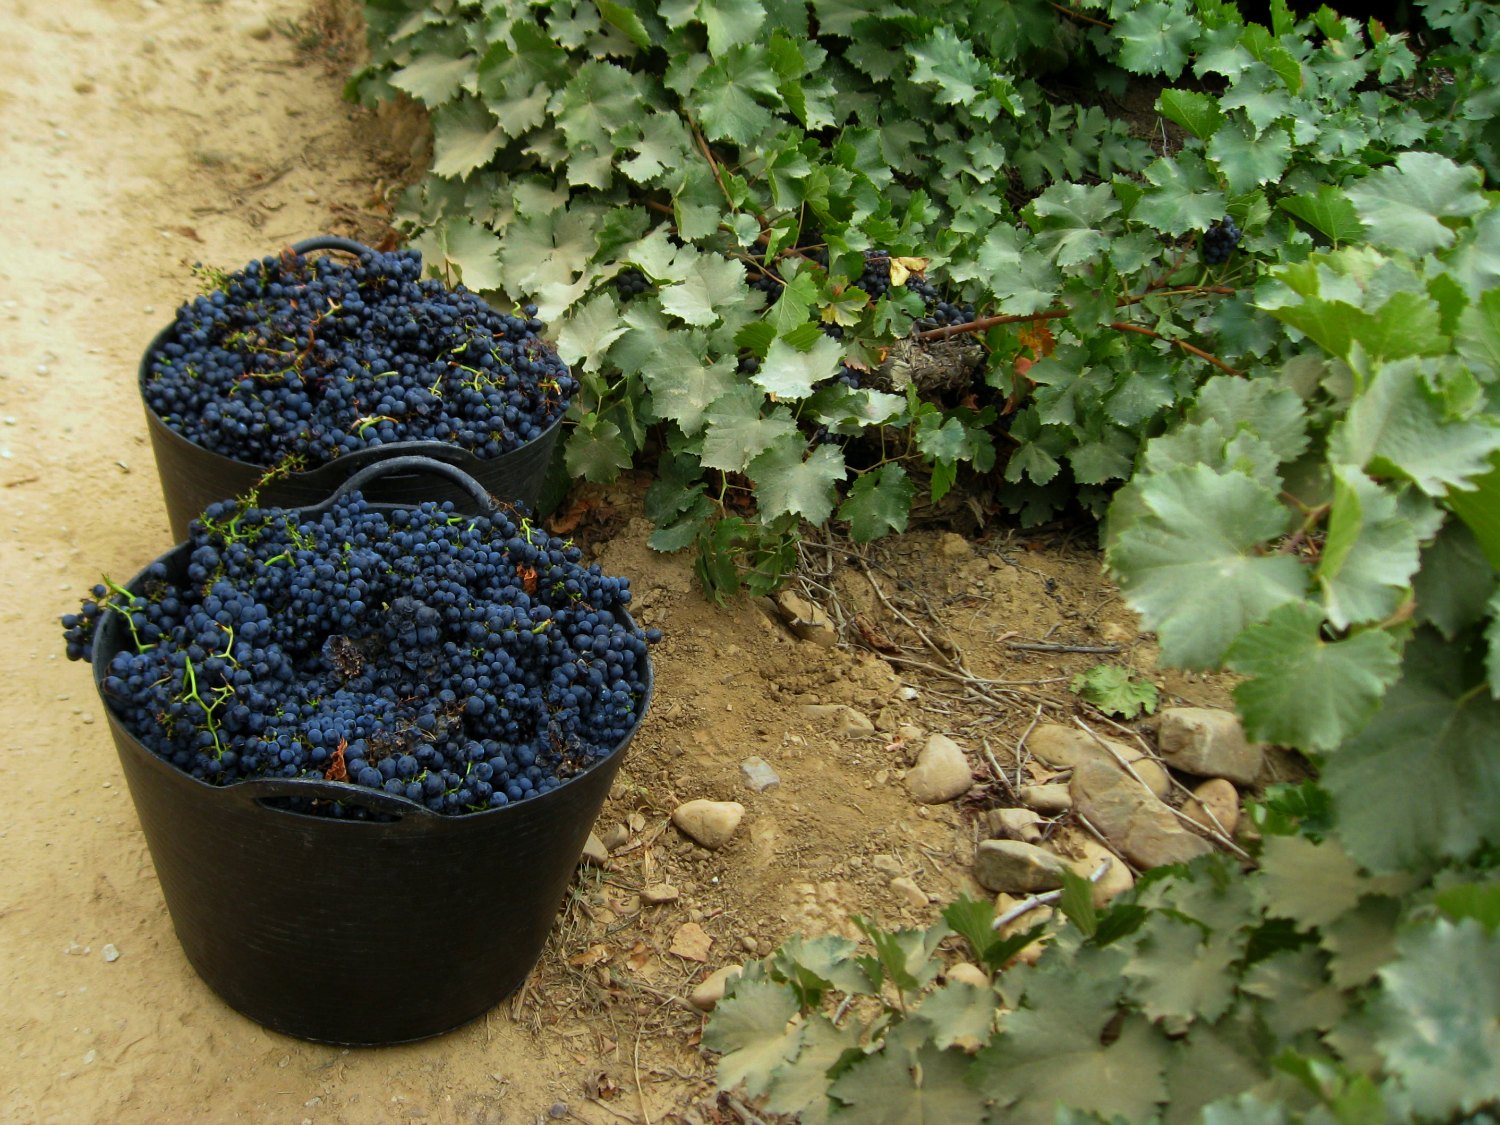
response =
{"points": [[357, 932], [192, 477]]}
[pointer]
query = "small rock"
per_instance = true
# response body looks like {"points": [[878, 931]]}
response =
{"points": [[1115, 634], [594, 851], [260, 31], [907, 890], [758, 774], [1219, 797], [1065, 747], [968, 973], [1208, 742], [709, 823], [1050, 800], [1016, 824], [1116, 878], [557, 1110], [942, 772], [110, 953], [691, 941], [1136, 824], [658, 893], [843, 718], [712, 988], [76, 950], [616, 838], [951, 545], [636, 821], [1010, 865], [806, 620]]}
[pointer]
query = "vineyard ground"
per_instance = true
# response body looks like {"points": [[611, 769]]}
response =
{"points": [[143, 136]]}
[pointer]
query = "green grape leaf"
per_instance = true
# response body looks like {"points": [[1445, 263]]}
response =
{"points": [[1178, 975], [1477, 340], [465, 135], [1404, 207], [1362, 940], [662, 145], [1272, 412], [801, 1085], [470, 250], [958, 1010], [1184, 196], [1479, 508], [1248, 160], [1115, 691], [1203, 1065], [730, 23], [789, 372], [815, 965], [683, 385], [879, 502], [948, 64], [751, 1031], [1155, 38], [1071, 215], [1370, 553], [1329, 212], [1198, 113], [1441, 1025], [711, 283], [434, 78], [888, 1088], [1455, 580], [620, 15], [1022, 279], [1305, 691], [724, 95], [1192, 566], [1420, 781], [1246, 1109], [1297, 994], [786, 482], [1479, 901], [738, 430], [589, 330], [595, 450], [1310, 883], [1402, 425]]}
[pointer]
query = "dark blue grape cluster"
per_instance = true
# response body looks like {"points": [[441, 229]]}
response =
{"points": [[940, 312], [1220, 240], [876, 278], [631, 283], [462, 662], [319, 357]]}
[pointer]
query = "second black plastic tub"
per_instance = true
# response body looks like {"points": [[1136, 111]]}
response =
{"points": [[192, 477], [358, 932]]}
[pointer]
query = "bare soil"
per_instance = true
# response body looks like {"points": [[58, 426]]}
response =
{"points": [[142, 136]]}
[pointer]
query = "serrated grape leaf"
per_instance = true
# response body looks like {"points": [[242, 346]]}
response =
{"points": [[470, 250], [786, 482], [1191, 563], [1492, 645], [884, 1089], [1070, 216], [1198, 113], [948, 64], [595, 450], [1248, 160], [789, 373], [738, 431], [1479, 901], [725, 99], [1246, 1109], [682, 383], [1202, 1066], [1455, 580], [1370, 553], [825, 961], [1421, 780], [958, 1010], [1274, 413], [1402, 425], [1311, 883], [1362, 940], [1115, 691], [1185, 196], [1019, 275], [465, 135], [1477, 340], [710, 283], [801, 1085], [1155, 37], [1441, 1009], [1403, 207], [1305, 691], [1479, 508], [621, 16], [879, 502], [730, 23], [1329, 212], [589, 330], [662, 146], [434, 78], [1296, 994], [1178, 976], [750, 1030]]}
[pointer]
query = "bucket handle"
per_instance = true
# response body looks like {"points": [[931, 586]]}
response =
{"points": [[330, 242], [453, 473], [261, 789]]}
